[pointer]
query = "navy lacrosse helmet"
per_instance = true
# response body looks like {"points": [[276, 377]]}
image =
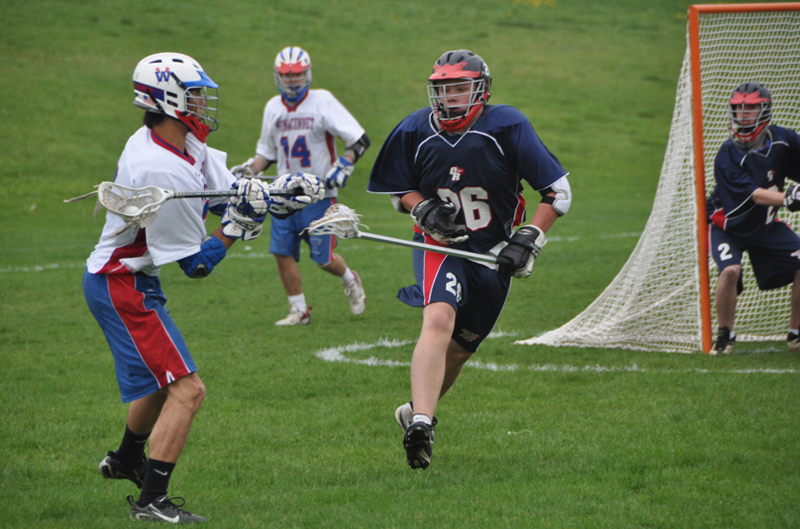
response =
{"points": [[443, 88]]}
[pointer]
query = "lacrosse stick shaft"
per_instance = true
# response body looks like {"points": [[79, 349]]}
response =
{"points": [[428, 247], [208, 194]]}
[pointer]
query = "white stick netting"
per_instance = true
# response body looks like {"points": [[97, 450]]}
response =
{"points": [[654, 302]]}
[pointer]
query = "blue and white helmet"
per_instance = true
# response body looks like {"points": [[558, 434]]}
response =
{"points": [[293, 73], [176, 85]]}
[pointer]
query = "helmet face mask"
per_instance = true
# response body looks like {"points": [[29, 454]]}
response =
{"points": [[458, 88], [749, 113], [176, 85], [292, 73]]}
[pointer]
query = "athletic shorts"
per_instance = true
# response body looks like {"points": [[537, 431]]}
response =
{"points": [[774, 256], [285, 234], [476, 292], [149, 351]]}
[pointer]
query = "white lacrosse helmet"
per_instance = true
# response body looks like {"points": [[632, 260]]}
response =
{"points": [[293, 73], [163, 84]]}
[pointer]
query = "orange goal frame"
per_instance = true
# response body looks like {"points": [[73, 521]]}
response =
{"points": [[699, 150]]}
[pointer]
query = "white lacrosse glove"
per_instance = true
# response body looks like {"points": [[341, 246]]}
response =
{"points": [[243, 169], [337, 176], [312, 189], [238, 226], [252, 198]]}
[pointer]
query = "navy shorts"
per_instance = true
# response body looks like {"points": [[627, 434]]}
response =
{"points": [[476, 292], [774, 256], [285, 234]]}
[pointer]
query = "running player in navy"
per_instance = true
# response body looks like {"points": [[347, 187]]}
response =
{"points": [[459, 168], [750, 171]]}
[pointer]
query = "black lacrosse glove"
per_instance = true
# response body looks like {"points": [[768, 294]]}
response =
{"points": [[516, 259], [437, 219], [792, 197]]}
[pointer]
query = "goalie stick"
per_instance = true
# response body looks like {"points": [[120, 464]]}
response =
{"points": [[343, 222], [140, 206]]}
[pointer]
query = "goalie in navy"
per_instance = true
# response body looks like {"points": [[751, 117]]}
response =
{"points": [[750, 170], [459, 168]]}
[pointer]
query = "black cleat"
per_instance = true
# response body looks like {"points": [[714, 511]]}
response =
{"points": [[163, 510], [793, 342], [112, 468], [418, 442], [725, 342], [405, 413]]}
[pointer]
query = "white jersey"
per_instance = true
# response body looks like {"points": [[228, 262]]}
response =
{"points": [[301, 139], [179, 229]]}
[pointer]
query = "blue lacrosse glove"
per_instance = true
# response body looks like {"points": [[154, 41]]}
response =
{"points": [[199, 265], [337, 176]]}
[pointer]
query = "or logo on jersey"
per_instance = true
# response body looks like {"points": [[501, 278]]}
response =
{"points": [[796, 254], [770, 175], [170, 377], [455, 173], [285, 125], [468, 336], [162, 76]]}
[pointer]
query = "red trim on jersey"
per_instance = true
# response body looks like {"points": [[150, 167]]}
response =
{"points": [[432, 262], [136, 249], [718, 218], [146, 329], [161, 142], [330, 141], [519, 212]]}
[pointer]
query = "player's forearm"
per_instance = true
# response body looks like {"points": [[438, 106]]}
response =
{"points": [[409, 200], [768, 197], [227, 241], [544, 217]]}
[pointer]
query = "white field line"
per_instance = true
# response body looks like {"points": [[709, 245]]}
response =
{"points": [[246, 253], [338, 354]]}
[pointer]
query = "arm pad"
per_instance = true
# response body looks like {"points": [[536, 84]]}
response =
{"points": [[199, 265], [357, 149]]}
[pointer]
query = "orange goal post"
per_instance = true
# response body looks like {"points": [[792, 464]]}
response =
{"points": [[661, 300]]}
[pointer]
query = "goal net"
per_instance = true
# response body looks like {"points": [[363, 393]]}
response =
{"points": [[662, 299]]}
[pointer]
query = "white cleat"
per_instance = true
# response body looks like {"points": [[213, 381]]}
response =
{"points": [[296, 317], [355, 293]]}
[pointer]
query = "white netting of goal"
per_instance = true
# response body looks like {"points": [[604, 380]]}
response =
{"points": [[654, 302]]}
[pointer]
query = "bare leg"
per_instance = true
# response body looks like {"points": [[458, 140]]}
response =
{"points": [[337, 266], [429, 361], [143, 413], [183, 400], [289, 273], [726, 295]]}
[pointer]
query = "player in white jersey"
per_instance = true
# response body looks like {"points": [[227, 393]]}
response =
{"points": [[155, 371], [298, 134]]}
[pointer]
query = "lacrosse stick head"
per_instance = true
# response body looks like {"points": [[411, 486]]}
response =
{"points": [[338, 220], [138, 207]]}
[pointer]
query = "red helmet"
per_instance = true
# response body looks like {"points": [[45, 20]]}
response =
{"points": [[469, 68], [749, 134]]}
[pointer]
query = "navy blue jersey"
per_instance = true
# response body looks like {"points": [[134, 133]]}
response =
{"points": [[739, 174], [481, 171]]}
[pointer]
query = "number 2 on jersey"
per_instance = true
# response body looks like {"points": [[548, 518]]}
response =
{"points": [[298, 150]]}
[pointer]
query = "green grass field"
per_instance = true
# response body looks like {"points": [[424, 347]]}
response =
{"points": [[297, 429]]}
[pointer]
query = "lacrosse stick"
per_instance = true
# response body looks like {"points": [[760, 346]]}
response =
{"points": [[140, 206], [343, 222]]}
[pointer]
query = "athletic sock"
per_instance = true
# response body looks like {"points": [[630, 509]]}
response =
{"points": [[348, 277], [421, 417], [131, 448], [156, 481], [795, 332], [299, 302]]}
